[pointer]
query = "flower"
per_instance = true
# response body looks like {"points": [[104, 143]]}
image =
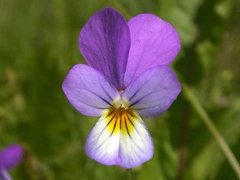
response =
{"points": [[9, 158], [127, 77]]}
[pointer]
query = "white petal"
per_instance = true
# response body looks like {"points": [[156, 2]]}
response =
{"points": [[101, 145], [135, 147], [120, 138]]}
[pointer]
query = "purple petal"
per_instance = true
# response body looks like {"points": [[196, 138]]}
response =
{"points": [[10, 156], [87, 90], [153, 42], [104, 42], [4, 175], [153, 92]]}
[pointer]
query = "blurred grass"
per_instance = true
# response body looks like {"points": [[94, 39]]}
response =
{"points": [[38, 45]]}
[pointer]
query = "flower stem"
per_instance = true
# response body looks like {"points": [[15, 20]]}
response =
{"points": [[215, 133], [183, 141], [129, 174]]}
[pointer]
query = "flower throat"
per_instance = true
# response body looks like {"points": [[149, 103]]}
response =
{"points": [[120, 117]]}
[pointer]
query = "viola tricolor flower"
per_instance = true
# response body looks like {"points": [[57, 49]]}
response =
{"points": [[127, 77], [9, 158]]}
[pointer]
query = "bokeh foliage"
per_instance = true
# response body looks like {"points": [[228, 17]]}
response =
{"points": [[38, 45]]}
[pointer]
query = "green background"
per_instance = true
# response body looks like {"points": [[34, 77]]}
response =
{"points": [[38, 45]]}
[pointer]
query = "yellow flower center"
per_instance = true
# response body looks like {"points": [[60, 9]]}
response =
{"points": [[120, 118]]}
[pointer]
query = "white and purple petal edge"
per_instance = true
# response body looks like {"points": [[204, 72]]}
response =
{"points": [[4, 175], [126, 149]]}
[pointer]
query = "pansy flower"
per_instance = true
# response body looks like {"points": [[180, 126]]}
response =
{"points": [[9, 158], [126, 78]]}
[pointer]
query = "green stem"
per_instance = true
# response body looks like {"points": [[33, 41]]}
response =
{"points": [[208, 122], [129, 174]]}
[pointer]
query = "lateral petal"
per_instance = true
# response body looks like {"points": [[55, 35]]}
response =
{"points": [[88, 91], [153, 92]]}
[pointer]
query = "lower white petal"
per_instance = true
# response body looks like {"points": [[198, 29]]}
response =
{"points": [[120, 138], [101, 145]]}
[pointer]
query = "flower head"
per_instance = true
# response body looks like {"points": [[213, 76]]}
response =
{"points": [[126, 77], [9, 158]]}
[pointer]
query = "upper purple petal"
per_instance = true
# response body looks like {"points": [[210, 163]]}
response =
{"points": [[10, 156], [153, 42], [104, 42], [153, 92], [87, 90]]}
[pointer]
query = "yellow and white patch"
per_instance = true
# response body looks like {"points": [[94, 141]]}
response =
{"points": [[120, 120], [120, 138]]}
